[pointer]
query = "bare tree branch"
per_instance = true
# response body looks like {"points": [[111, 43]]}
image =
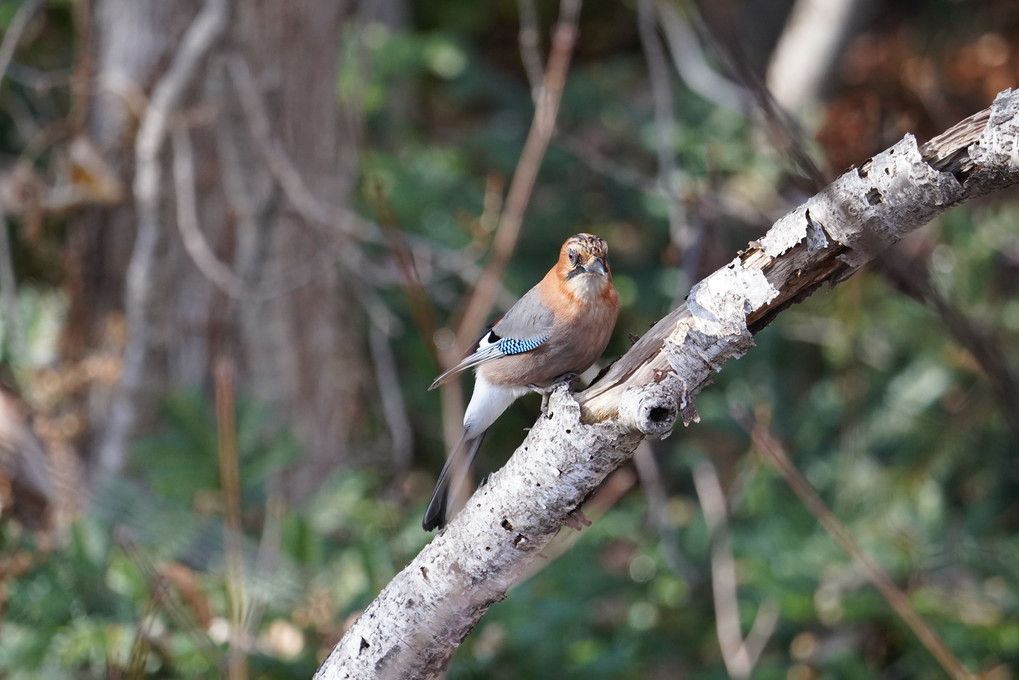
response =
{"points": [[530, 40], [393, 407], [597, 162], [203, 33], [784, 133], [416, 622], [605, 166], [204, 258], [693, 67], [187, 219], [657, 500], [807, 49], [739, 655], [775, 454], [680, 232], [276, 160], [579, 148]]}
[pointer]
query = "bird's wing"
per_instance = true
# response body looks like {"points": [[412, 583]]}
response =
{"points": [[524, 328]]}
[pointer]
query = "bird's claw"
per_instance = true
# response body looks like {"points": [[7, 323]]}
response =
{"points": [[544, 404], [568, 378], [545, 391]]}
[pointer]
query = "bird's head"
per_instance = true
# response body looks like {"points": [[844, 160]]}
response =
{"points": [[584, 265]]}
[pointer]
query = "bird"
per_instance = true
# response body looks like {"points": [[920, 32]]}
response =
{"points": [[552, 334]]}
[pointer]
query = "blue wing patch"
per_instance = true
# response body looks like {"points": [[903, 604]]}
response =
{"points": [[515, 346]]}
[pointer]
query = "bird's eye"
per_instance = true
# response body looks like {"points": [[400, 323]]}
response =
{"points": [[573, 257]]}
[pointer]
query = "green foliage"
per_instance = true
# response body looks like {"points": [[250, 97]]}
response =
{"points": [[78, 611], [41, 314], [184, 457]]}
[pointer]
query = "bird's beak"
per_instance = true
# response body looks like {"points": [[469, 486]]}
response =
{"points": [[596, 266]]}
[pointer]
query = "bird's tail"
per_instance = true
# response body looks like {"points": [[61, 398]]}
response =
{"points": [[452, 477]]}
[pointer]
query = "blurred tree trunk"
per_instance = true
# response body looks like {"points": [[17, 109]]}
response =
{"points": [[294, 342]]}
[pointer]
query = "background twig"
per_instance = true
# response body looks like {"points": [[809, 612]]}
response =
{"points": [[480, 304], [739, 654], [774, 453], [203, 33], [680, 233], [233, 536]]}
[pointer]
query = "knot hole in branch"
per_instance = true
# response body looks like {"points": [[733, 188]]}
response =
{"points": [[659, 414], [650, 409]]}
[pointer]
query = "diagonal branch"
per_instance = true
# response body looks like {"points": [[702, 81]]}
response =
{"points": [[413, 627], [774, 453]]}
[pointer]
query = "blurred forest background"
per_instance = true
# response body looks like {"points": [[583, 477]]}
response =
{"points": [[238, 236]]}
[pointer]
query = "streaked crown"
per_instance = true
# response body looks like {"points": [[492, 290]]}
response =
{"points": [[585, 254]]}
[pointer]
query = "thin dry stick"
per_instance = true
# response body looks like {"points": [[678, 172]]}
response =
{"points": [[311, 209], [230, 480], [739, 655], [203, 33], [690, 61], [198, 249], [422, 311], [584, 152], [191, 235], [394, 409], [479, 307], [331, 223], [529, 39], [783, 131], [665, 125], [773, 451], [657, 500]]}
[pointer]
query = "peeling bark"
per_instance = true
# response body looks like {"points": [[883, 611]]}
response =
{"points": [[413, 627]]}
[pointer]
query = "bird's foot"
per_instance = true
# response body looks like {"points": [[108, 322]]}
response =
{"points": [[545, 391]]}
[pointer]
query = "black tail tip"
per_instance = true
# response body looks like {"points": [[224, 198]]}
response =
{"points": [[435, 517], [435, 514], [431, 522]]}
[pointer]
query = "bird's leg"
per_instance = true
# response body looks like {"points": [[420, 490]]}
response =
{"points": [[565, 379]]}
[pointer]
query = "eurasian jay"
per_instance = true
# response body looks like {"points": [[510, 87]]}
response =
{"points": [[554, 332]]}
